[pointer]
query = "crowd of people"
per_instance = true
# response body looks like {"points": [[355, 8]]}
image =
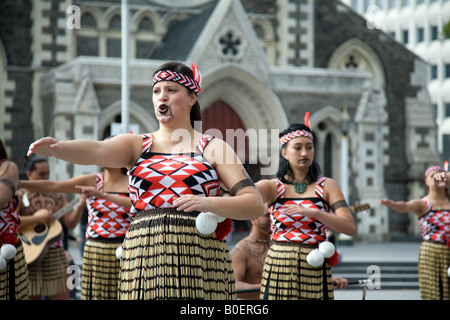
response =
{"points": [[154, 196]]}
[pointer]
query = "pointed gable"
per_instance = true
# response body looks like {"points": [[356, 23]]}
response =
{"points": [[229, 38], [181, 37]]}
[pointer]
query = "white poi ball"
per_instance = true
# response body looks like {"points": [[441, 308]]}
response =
{"points": [[8, 251], [206, 223], [2, 263], [315, 258], [327, 248], [119, 253], [448, 272]]}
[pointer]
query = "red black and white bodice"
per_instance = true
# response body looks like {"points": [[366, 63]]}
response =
{"points": [[106, 218], [157, 179], [435, 225], [9, 220], [296, 227]]}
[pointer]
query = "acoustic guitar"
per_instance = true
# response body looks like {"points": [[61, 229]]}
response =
{"points": [[38, 237]]}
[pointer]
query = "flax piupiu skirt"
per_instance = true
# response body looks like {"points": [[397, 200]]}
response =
{"points": [[14, 283], [434, 260], [288, 276], [101, 268], [164, 256], [49, 277]]}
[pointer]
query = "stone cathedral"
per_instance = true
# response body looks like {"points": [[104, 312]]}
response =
{"points": [[264, 63]]}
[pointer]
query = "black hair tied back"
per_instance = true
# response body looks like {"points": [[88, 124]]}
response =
{"points": [[313, 172]]}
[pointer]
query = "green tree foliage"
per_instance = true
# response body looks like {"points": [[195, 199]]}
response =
{"points": [[446, 30]]}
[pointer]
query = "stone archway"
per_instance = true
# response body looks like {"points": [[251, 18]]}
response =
{"points": [[355, 54], [257, 106], [220, 116], [138, 115]]}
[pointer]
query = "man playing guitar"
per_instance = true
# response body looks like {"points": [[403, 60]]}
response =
{"points": [[48, 278]]}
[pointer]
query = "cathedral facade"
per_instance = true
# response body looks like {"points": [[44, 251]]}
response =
{"points": [[264, 63]]}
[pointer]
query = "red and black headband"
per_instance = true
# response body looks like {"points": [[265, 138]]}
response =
{"points": [[298, 133], [193, 84]]}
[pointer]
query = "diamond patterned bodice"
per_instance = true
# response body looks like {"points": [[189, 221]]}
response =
{"points": [[298, 228], [9, 218], [157, 179], [435, 225], [106, 219]]}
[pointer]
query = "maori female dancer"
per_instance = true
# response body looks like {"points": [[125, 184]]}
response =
{"points": [[300, 204], [14, 283], [433, 212], [174, 173]]}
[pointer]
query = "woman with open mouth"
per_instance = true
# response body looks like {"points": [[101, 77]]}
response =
{"points": [[175, 174]]}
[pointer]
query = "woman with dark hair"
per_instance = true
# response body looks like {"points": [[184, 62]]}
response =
{"points": [[105, 195], [174, 174], [433, 214], [14, 283], [300, 201]]}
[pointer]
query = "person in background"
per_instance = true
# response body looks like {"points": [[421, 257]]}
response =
{"points": [[14, 283], [108, 206], [433, 213], [248, 257], [48, 277]]}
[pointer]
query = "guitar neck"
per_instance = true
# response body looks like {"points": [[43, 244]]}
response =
{"points": [[66, 209]]}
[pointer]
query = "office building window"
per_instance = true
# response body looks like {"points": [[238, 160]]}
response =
{"points": [[447, 70], [405, 36], [420, 34], [434, 33], [447, 109], [446, 146], [433, 72]]}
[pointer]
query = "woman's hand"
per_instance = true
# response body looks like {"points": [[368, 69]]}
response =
{"points": [[44, 216], [190, 203], [89, 191], [389, 203], [416, 206], [440, 179], [47, 147], [298, 209]]}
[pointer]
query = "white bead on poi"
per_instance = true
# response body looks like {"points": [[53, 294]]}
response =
{"points": [[8, 251], [119, 253], [206, 222], [317, 256], [327, 248]]}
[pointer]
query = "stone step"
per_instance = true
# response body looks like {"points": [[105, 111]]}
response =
{"points": [[392, 275], [383, 269]]}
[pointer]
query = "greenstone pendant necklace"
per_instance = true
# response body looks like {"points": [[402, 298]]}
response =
{"points": [[300, 187]]}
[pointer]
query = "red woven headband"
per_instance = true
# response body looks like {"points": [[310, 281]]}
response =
{"points": [[295, 134], [298, 133], [190, 83]]}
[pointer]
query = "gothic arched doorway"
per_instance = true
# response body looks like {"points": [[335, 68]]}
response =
{"points": [[220, 116]]}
